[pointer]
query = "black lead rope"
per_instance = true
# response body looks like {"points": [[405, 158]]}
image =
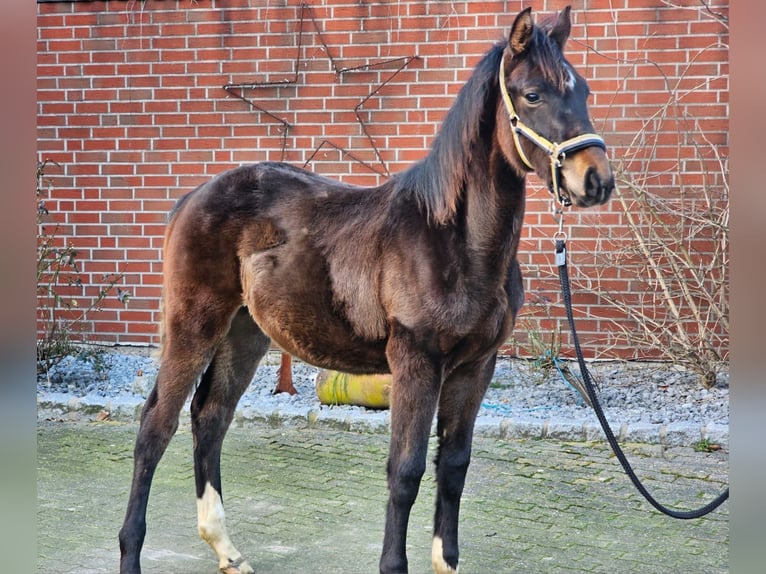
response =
{"points": [[561, 263]]}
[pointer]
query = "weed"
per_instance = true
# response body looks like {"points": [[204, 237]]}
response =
{"points": [[541, 334], [705, 445], [60, 288]]}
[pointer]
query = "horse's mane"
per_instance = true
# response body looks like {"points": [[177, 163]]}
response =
{"points": [[438, 180]]}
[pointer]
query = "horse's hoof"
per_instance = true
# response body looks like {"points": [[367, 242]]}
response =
{"points": [[438, 562], [238, 566]]}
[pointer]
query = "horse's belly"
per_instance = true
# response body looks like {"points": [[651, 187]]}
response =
{"points": [[293, 305], [325, 343], [354, 357]]}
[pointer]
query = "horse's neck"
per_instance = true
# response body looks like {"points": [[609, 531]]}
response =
{"points": [[494, 212]]}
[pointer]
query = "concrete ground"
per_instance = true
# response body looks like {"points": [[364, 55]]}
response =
{"points": [[312, 500]]}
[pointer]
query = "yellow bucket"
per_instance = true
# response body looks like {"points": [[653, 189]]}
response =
{"points": [[371, 391]]}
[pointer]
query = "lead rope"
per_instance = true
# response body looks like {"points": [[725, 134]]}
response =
{"points": [[561, 263]]}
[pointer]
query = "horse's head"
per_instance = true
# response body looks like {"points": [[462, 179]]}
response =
{"points": [[543, 120]]}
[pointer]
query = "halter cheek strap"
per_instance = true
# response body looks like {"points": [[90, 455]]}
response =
{"points": [[556, 151]]}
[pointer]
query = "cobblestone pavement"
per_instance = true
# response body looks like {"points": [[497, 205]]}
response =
{"points": [[312, 500]]}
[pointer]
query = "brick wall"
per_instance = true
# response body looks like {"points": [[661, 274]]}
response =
{"points": [[132, 107]]}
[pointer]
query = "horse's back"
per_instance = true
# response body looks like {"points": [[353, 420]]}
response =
{"points": [[238, 190], [260, 205]]}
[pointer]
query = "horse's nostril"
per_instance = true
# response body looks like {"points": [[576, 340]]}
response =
{"points": [[592, 183], [596, 188]]}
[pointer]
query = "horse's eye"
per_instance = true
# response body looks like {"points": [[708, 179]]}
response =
{"points": [[532, 97]]}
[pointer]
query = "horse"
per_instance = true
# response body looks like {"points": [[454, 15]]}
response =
{"points": [[417, 277]]}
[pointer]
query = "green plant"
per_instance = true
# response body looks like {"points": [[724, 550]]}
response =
{"points": [[60, 287], [543, 343], [704, 445], [532, 335]]}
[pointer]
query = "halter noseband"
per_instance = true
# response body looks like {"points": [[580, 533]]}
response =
{"points": [[556, 151]]}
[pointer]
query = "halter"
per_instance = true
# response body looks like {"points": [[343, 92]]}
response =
{"points": [[556, 151]]}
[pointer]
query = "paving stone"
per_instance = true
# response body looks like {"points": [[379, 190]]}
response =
{"points": [[305, 499]]}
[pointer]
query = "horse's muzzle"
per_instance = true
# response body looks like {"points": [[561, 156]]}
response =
{"points": [[587, 177]]}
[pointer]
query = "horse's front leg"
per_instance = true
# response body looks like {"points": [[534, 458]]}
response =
{"points": [[416, 377], [459, 403]]}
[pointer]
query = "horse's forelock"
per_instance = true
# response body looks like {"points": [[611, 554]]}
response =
{"points": [[545, 55]]}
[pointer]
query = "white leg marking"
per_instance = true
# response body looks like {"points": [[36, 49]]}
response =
{"points": [[211, 524], [437, 558]]}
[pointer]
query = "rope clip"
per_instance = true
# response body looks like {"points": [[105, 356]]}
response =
{"points": [[557, 212], [560, 237]]}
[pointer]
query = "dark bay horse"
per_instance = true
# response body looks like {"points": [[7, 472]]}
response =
{"points": [[417, 277]]}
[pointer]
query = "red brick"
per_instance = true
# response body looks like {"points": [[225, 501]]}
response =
{"points": [[178, 126]]}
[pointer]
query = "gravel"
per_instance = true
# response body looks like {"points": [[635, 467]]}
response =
{"points": [[644, 402]]}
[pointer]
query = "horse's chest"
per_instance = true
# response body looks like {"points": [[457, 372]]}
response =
{"points": [[483, 328]]}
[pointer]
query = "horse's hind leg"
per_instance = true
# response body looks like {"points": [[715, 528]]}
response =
{"points": [[186, 352], [212, 409], [459, 403]]}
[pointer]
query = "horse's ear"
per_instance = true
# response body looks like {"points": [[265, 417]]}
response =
{"points": [[561, 29], [521, 31]]}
